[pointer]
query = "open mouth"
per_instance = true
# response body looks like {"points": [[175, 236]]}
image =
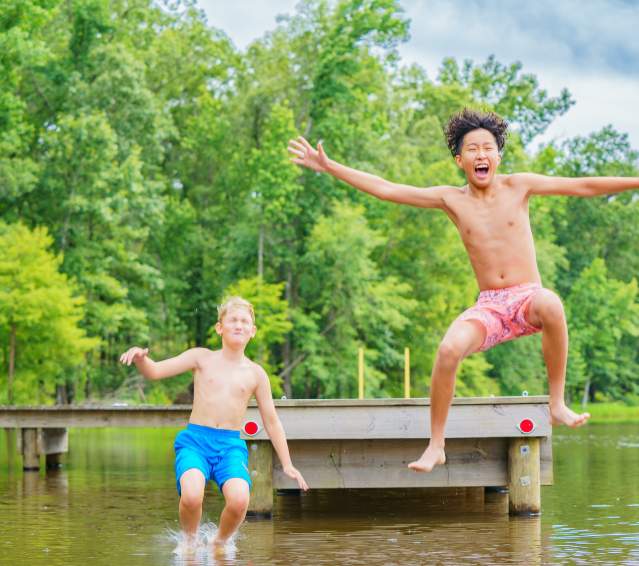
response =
{"points": [[481, 170]]}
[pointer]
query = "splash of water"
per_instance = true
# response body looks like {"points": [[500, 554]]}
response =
{"points": [[198, 550]]}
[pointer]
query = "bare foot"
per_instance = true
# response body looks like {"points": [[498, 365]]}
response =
{"points": [[219, 548], [433, 456], [561, 414]]}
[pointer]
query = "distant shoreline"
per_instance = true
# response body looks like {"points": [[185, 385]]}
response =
{"points": [[610, 412]]}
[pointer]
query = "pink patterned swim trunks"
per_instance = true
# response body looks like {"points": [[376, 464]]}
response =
{"points": [[502, 312]]}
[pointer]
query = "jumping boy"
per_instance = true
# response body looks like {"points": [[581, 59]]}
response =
{"points": [[491, 215], [210, 447]]}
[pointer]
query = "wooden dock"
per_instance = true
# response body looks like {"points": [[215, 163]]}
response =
{"points": [[346, 443]]}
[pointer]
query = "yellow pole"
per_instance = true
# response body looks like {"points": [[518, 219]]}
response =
{"points": [[407, 373], [360, 372]]}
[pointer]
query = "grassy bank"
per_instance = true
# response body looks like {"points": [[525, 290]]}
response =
{"points": [[610, 412]]}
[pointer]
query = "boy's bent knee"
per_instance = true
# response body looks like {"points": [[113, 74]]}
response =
{"points": [[191, 499], [238, 503], [450, 352], [548, 306]]}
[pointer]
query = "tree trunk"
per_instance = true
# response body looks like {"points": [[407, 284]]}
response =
{"points": [[12, 362], [286, 351], [61, 394], [586, 395], [260, 253]]}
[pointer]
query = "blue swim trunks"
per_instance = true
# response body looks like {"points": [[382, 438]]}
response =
{"points": [[218, 453]]}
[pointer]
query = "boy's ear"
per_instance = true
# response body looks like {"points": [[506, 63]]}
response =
{"points": [[254, 331], [458, 160], [218, 328]]}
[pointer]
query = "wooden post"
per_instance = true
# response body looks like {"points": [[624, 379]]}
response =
{"points": [[55, 442], [30, 454], [406, 373], [261, 470], [524, 491], [360, 373]]}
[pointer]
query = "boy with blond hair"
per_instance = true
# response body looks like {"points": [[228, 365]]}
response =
{"points": [[491, 215], [210, 447]]}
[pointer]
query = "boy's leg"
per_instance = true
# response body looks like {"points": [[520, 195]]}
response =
{"points": [[192, 483], [462, 339], [236, 496], [547, 312]]}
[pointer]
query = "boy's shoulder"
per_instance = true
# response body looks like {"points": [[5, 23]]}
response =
{"points": [[517, 180], [259, 371]]}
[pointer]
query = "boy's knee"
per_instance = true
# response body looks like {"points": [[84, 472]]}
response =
{"points": [[450, 352], [549, 306], [238, 503], [191, 499]]}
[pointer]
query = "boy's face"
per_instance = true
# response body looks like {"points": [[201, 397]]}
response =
{"points": [[479, 157], [236, 327]]}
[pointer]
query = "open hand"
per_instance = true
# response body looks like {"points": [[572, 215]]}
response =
{"points": [[307, 156], [133, 354], [293, 473]]}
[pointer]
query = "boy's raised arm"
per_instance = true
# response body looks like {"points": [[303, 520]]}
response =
{"points": [[317, 160], [186, 361], [274, 428], [575, 186]]}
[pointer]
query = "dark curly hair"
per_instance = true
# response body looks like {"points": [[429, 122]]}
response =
{"points": [[468, 120]]}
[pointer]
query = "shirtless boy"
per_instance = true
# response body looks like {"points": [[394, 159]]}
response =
{"points": [[491, 215], [210, 447]]}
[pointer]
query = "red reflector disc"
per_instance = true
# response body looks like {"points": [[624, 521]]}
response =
{"points": [[251, 428], [526, 426]]}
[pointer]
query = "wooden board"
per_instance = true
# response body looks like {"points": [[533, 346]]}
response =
{"points": [[405, 421], [312, 419], [382, 464]]}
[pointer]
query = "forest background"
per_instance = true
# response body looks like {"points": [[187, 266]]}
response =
{"points": [[144, 177]]}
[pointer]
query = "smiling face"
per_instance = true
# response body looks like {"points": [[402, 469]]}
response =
{"points": [[479, 157], [236, 327]]}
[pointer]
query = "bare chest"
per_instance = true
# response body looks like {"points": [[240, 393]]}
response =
{"points": [[237, 384], [493, 221]]}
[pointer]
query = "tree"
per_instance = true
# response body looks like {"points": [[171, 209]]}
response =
{"points": [[348, 304], [601, 311], [40, 315]]}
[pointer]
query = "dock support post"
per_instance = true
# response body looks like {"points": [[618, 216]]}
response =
{"points": [[30, 453], [55, 442], [524, 490], [261, 470]]}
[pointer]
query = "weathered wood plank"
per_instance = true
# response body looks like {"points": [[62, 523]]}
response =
{"points": [[30, 452], [382, 464], [304, 419], [524, 494], [397, 421], [54, 441], [261, 471]]}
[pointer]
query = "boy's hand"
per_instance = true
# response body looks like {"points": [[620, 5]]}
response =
{"points": [[132, 354], [314, 159], [294, 473]]}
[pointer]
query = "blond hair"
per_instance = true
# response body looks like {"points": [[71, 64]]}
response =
{"points": [[234, 302]]}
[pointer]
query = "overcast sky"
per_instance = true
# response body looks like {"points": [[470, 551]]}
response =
{"points": [[590, 47]]}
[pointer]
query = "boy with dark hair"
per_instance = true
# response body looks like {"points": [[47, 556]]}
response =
{"points": [[491, 214]]}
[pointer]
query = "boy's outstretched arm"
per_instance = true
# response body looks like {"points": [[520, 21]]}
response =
{"points": [[575, 186], [274, 428], [317, 160], [186, 361]]}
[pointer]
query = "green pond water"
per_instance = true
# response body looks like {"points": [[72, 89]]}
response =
{"points": [[114, 502]]}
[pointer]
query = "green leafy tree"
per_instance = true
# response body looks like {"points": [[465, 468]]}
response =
{"points": [[348, 304], [40, 316], [601, 312]]}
